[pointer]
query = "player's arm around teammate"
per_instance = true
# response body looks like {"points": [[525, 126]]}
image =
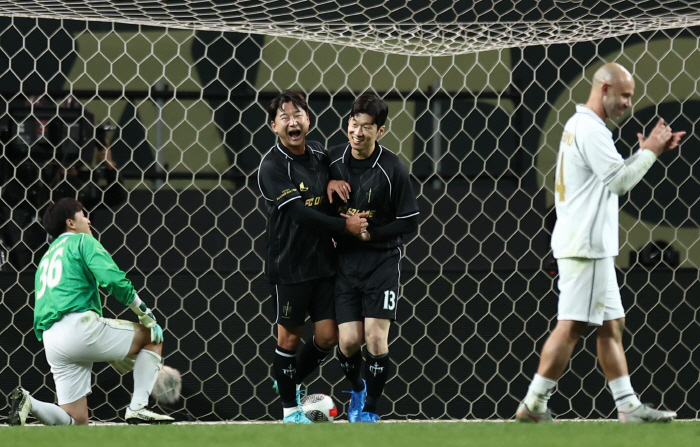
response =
{"points": [[68, 319], [301, 259], [371, 180]]}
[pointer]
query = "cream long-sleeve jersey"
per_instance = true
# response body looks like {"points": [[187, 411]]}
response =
{"points": [[590, 175]]}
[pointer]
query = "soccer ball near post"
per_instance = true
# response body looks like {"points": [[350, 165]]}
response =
{"points": [[319, 408]]}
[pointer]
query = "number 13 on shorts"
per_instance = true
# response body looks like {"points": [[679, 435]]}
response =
{"points": [[389, 300]]}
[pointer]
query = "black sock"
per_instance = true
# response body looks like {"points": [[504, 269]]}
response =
{"points": [[352, 367], [310, 358], [376, 374], [284, 367]]}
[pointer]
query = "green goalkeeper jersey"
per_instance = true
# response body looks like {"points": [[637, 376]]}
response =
{"points": [[67, 279]]}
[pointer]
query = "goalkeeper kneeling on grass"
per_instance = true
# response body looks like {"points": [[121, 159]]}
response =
{"points": [[68, 319]]}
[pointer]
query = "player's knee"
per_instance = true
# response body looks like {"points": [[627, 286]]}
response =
{"points": [[80, 417], [612, 329], [326, 340], [326, 334], [572, 329], [157, 348], [145, 337], [377, 343], [142, 340], [349, 343], [288, 340]]}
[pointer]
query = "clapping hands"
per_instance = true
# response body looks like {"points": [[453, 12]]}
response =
{"points": [[661, 138]]}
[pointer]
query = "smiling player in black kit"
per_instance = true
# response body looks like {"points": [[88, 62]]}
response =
{"points": [[301, 261], [375, 183]]}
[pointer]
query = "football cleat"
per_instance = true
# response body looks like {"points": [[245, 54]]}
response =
{"points": [[366, 416], [644, 413], [298, 417], [146, 416], [20, 406], [525, 415], [300, 393], [357, 403]]}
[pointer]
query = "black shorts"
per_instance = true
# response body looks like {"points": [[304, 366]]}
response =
{"points": [[367, 285], [293, 301]]}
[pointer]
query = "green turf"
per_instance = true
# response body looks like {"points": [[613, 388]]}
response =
{"points": [[482, 434]]}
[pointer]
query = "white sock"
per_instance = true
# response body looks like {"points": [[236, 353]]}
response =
{"points": [[538, 394], [50, 414], [287, 411], [146, 371], [625, 398]]}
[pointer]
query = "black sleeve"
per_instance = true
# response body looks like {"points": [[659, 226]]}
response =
{"points": [[395, 228], [303, 214]]}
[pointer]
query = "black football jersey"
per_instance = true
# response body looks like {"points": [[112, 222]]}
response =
{"points": [[381, 187], [296, 252]]}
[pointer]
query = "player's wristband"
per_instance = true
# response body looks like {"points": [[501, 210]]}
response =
{"points": [[136, 303], [145, 314]]}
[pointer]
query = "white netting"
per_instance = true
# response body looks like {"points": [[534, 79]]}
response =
{"points": [[182, 110], [436, 28]]}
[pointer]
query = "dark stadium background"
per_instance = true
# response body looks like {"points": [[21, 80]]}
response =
{"points": [[468, 352]]}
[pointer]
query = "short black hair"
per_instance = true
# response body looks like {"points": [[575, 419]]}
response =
{"points": [[56, 214], [373, 106], [296, 98]]}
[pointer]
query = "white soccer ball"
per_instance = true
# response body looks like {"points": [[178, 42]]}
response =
{"points": [[319, 408], [168, 386]]}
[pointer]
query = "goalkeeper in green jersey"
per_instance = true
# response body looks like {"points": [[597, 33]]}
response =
{"points": [[68, 319]]}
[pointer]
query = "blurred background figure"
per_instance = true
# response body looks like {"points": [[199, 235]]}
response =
{"points": [[50, 151]]}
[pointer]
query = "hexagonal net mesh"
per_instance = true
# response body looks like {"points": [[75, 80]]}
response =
{"points": [[159, 131], [436, 28]]}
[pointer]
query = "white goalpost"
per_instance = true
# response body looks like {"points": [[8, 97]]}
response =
{"points": [[153, 114]]}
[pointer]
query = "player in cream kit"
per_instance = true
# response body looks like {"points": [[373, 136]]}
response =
{"points": [[590, 175]]}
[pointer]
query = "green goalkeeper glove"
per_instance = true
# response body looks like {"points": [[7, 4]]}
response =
{"points": [[147, 318], [157, 334]]}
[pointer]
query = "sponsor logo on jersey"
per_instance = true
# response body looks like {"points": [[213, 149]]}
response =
{"points": [[285, 192], [302, 188], [346, 210], [315, 201]]}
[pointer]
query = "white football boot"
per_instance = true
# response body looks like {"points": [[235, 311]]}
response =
{"points": [[644, 413], [525, 415], [146, 416], [20, 406]]}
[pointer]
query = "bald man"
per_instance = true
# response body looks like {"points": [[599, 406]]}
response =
{"points": [[590, 176]]}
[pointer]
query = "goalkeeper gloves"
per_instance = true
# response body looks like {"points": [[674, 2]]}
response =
{"points": [[147, 318], [157, 334]]}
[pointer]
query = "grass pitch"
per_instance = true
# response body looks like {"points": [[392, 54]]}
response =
{"points": [[400, 434]]}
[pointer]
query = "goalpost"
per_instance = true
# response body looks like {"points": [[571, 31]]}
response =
{"points": [[478, 95]]}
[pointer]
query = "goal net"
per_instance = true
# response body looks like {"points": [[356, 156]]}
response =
{"points": [[153, 114]]}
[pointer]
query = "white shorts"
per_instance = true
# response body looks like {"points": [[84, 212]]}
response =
{"points": [[588, 291], [77, 340]]}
